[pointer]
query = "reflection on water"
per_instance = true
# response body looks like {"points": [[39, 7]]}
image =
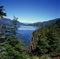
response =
{"points": [[27, 28]]}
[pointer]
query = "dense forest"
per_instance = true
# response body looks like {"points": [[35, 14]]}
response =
{"points": [[46, 40]]}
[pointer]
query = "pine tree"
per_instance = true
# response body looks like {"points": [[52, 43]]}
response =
{"points": [[2, 13], [15, 26]]}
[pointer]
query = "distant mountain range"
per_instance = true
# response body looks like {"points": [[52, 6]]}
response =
{"points": [[40, 24], [45, 23], [9, 21], [5, 21]]}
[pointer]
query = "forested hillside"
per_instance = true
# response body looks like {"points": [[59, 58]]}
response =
{"points": [[46, 40]]}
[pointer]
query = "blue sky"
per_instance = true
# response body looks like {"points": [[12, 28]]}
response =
{"points": [[30, 11]]}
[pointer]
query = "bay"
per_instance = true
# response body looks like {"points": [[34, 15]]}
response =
{"points": [[26, 33]]}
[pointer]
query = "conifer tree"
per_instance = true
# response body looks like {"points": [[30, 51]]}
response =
{"points": [[2, 13]]}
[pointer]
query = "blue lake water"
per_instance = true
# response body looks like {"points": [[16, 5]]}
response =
{"points": [[26, 33]]}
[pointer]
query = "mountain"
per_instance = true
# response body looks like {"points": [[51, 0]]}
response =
{"points": [[22, 24], [9, 21], [5, 21], [39, 24], [45, 23]]}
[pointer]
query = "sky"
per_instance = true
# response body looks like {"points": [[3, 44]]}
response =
{"points": [[30, 11]]}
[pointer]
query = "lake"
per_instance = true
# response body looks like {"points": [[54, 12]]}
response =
{"points": [[26, 33]]}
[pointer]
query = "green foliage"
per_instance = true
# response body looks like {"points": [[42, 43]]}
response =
{"points": [[15, 25], [15, 51], [10, 46], [46, 40], [2, 37], [2, 13]]}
